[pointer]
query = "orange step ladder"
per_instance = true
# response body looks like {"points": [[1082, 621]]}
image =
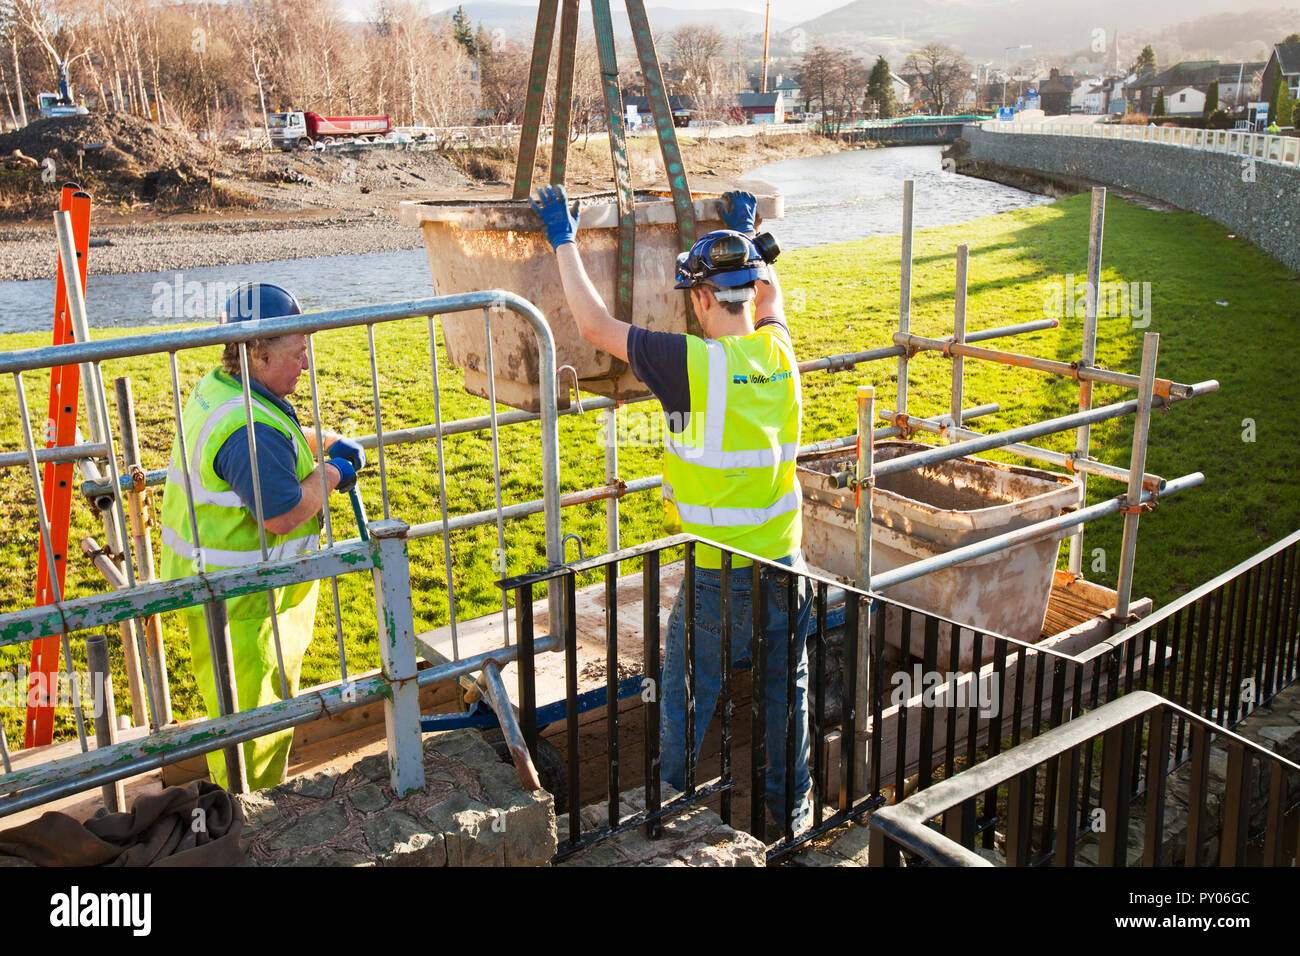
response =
{"points": [[59, 478]]}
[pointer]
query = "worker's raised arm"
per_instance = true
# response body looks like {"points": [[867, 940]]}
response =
{"points": [[768, 300], [595, 324]]}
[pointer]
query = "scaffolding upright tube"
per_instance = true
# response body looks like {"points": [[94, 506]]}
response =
{"points": [[1088, 355]]}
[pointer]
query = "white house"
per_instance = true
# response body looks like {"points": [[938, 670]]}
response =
{"points": [[1187, 101], [902, 92], [1084, 99]]}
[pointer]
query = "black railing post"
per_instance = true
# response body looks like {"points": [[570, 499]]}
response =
{"points": [[1236, 806], [611, 689], [1274, 630], [1293, 617], [816, 763], [571, 705], [1067, 808], [1157, 775], [848, 700], [1196, 793], [527, 667], [758, 705], [688, 585], [728, 705], [950, 712], [650, 635], [876, 705], [791, 672], [930, 658]]}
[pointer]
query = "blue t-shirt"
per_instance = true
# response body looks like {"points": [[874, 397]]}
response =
{"points": [[277, 462]]}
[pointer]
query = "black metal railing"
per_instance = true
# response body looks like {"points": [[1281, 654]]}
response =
{"points": [[937, 697], [959, 720], [1117, 814], [1222, 650]]}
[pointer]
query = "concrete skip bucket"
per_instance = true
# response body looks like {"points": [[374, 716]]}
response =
{"points": [[930, 511], [476, 244]]}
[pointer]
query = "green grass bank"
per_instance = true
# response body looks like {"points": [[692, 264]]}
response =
{"points": [[839, 298]]}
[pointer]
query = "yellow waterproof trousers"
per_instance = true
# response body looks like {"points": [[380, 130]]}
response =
{"points": [[257, 681]]}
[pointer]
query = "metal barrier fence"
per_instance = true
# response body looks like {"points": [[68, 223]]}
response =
{"points": [[140, 600], [1121, 807], [1284, 150]]}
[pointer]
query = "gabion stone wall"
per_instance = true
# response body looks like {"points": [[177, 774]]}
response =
{"points": [[1257, 200]]}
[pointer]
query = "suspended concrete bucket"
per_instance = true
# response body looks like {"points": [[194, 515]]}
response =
{"points": [[930, 511], [500, 244]]}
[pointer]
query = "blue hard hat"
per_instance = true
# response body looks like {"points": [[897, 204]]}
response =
{"points": [[259, 300], [723, 258]]}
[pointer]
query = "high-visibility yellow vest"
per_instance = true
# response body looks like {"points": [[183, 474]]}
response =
{"points": [[228, 535], [729, 473]]}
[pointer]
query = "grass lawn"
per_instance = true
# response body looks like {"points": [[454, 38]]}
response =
{"points": [[839, 298]]}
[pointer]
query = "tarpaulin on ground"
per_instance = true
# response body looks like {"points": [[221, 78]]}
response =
{"points": [[195, 825]]}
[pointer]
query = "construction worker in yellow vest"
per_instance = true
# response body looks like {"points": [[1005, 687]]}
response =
{"points": [[221, 479], [732, 406]]}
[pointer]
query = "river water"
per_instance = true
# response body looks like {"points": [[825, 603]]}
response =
{"points": [[831, 198], [859, 193]]}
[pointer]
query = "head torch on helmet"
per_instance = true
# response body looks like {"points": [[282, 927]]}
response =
{"points": [[724, 259]]}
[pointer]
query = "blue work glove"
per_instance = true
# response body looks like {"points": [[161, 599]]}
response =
{"points": [[739, 210], [561, 222], [347, 474], [349, 449]]}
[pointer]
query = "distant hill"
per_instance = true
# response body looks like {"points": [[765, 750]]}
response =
{"points": [[984, 28], [520, 20]]}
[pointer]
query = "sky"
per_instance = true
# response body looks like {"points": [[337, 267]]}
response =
{"points": [[793, 11]]}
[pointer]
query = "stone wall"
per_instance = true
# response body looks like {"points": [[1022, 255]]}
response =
{"points": [[1259, 202], [473, 812], [695, 837]]}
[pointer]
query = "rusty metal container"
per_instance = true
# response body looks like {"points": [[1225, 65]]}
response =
{"points": [[500, 244], [930, 511]]}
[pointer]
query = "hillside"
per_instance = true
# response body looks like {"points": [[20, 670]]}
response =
{"points": [[984, 28]]}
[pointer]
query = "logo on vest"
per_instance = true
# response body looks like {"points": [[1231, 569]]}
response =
{"points": [[758, 378]]}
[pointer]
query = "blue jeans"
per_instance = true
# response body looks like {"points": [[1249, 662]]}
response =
{"points": [[708, 656]]}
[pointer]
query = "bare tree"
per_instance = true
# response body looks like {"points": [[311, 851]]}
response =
{"points": [[835, 81], [942, 72], [696, 50]]}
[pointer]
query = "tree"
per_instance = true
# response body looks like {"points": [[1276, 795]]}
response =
{"points": [[1211, 99], [1145, 63], [697, 51], [461, 30], [943, 73], [880, 88], [1278, 99], [1160, 104], [1292, 38], [834, 80], [503, 74]]}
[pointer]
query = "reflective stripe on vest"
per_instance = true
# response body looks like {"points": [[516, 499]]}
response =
{"points": [[228, 532], [729, 473], [216, 557]]}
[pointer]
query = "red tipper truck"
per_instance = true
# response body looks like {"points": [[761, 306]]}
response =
{"points": [[303, 128]]}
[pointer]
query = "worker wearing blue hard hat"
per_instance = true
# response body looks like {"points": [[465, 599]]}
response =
{"points": [[225, 483], [732, 404]]}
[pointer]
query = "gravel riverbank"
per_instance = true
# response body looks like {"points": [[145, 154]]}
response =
{"points": [[29, 253]]}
